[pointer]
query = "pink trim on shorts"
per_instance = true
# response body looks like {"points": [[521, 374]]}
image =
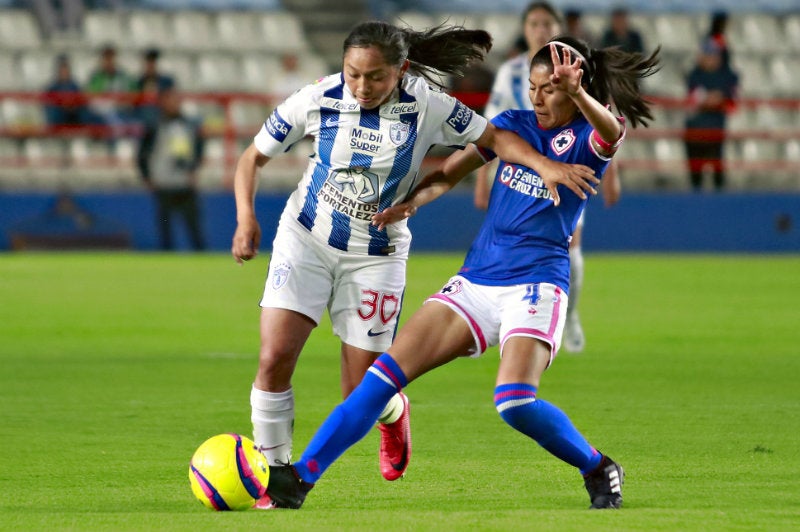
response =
{"points": [[535, 333], [472, 323], [556, 313], [541, 335]]}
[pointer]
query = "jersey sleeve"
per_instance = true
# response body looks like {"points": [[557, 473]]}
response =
{"points": [[459, 125], [504, 120], [286, 125]]}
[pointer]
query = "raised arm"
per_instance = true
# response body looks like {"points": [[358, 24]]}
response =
{"points": [[567, 76]]}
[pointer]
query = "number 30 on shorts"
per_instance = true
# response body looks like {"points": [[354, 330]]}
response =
{"points": [[381, 303]]}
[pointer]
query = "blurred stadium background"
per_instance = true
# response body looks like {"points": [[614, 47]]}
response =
{"points": [[226, 59]]}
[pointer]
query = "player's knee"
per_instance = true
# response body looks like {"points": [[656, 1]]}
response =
{"points": [[275, 368]]}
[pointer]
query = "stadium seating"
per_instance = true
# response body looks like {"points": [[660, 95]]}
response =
{"points": [[215, 46], [102, 27], [18, 30], [149, 29]]}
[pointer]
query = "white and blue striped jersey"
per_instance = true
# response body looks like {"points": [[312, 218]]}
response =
{"points": [[524, 237], [510, 87], [365, 160]]}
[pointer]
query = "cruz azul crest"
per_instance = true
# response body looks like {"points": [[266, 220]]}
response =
{"points": [[563, 141], [399, 132]]}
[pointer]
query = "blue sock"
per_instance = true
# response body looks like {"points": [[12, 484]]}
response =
{"points": [[352, 419], [545, 423]]}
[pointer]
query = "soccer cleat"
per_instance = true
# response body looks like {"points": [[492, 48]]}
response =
{"points": [[286, 488], [574, 340], [396, 444], [265, 503], [604, 485]]}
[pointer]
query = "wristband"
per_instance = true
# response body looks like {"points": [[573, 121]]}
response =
{"points": [[606, 146]]}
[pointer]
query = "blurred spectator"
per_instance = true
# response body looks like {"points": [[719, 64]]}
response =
{"points": [[108, 78], [712, 90], [65, 104], [716, 32], [169, 156], [519, 46], [290, 78], [540, 23], [620, 33], [150, 84], [573, 20]]}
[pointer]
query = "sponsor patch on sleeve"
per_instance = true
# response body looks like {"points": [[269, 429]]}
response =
{"points": [[277, 126], [460, 118]]}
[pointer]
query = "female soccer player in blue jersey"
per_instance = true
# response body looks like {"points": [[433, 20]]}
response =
{"points": [[512, 289], [372, 125], [540, 23]]}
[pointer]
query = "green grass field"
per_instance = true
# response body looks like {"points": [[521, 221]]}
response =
{"points": [[115, 367]]}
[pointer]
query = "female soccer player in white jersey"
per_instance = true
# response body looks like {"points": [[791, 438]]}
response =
{"points": [[512, 289], [372, 125], [540, 23]]}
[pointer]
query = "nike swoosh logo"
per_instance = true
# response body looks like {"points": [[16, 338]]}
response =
{"points": [[371, 333], [403, 460], [332, 122]]}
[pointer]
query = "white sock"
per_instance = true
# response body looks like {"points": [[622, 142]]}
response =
{"points": [[575, 278], [392, 411], [273, 420]]}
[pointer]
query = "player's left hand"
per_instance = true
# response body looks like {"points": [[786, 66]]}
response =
{"points": [[393, 214], [567, 74]]}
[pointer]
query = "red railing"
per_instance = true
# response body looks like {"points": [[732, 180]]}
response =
{"points": [[224, 124]]}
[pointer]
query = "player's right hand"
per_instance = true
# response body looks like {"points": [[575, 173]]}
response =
{"points": [[577, 177], [246, 240], [393, 214]]}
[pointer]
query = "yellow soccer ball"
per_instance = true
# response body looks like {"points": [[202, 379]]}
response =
{"points": [[227, 472]]}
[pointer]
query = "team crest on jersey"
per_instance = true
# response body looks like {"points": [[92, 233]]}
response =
{"points": [[398, 133], [506, 174], [563, 141], [280, 274]]}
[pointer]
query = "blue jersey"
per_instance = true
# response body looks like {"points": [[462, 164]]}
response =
{"points": [[525, 238]]}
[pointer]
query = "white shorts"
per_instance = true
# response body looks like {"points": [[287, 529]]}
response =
{"points": [[363, 294], [496, 313]]}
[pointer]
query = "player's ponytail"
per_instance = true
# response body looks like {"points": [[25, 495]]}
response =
{"points": [[610, 75], [442, 50]]}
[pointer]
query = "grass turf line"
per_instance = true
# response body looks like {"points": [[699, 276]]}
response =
{"points": [[116, 366]]}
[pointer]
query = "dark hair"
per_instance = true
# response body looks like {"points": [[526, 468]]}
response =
{"points": [[547, 6], [610, 75], [436, 51], [719, 21]]}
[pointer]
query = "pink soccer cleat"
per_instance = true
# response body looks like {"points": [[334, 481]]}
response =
{"points": [[396, 444]]}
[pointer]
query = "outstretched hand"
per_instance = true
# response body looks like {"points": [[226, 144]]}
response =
{"points": [[567, 74], [393, 214]]}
